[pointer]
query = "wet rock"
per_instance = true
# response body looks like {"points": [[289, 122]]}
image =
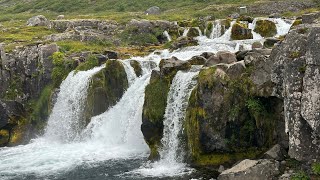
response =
{"points": [[39, 20], [183, 42], [241, 54], [257, 45], [137, 67], [222, 57], [239, 31], [252, 169], [193, 32], [173, 64], [105, 89], [155, 10], [270, 42], [276, 153], [207, 54], [197, 60], [111, 54]]}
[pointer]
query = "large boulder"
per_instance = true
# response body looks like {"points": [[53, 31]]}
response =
{"points": [[39, 20], [193, 32], [155, 10], [183, 42], [225, 57], [270, 42], [240, 31], [252, 169], [266, 28], [106, 88], [296, 76], [276, 152]]}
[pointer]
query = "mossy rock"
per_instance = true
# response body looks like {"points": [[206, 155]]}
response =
{"points": [[240, 31], [193, 32], [106, 89], [266, 28], [4, 137], [226, 121], [296, 23], [137, 67]]}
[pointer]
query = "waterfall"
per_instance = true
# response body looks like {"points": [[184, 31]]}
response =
{"points": [[216, 30], [121, 124], [66, 122], [131, 75], [199, 31], [167, 35], [171, 162], [185, 32]]}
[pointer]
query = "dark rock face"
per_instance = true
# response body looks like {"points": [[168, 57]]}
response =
{"points": [[252, 169], [106, 88], [197, 60], [156, 101], [137, 67], [231, 110], [296, 75], [270, 42], [24, 74]]}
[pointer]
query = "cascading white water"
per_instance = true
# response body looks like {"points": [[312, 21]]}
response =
{"points": [[131, 75], [216, 30], [121, 124], [116, 133], [66, 122], [171, 162], [167, 35], [185, 32]]}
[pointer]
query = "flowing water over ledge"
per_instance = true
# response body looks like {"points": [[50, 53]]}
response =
{"points": [[112, 145]]}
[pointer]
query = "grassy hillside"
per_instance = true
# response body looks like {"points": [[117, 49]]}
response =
{"points": [[119, 9]]}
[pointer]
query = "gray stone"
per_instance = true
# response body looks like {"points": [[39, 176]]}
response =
{"points": [[234, 15], [310, 18], [252, 169], [276, 153], [296, 78], [197, 60], [155, 10], [168, 65], [60, 17], [257, 45], [222, 57], [270, 42], [275, 15], [39, 20]]}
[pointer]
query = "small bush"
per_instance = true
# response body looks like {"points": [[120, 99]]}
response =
{"points": [[316, 168], [90, 63], [300, 176]]}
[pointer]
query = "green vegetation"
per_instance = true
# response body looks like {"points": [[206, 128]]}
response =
{"points": [[266, 28], [61, 69], [316, 168], [91, 62], [301, 175]]}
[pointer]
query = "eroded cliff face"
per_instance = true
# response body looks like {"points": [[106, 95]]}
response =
{"points": [[296, 75], [24, 74]]}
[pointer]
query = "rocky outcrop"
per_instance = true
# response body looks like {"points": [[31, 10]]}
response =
{"points": [[156, 101], [24, 74], [232, 114], [39, 20], [310, 18], [252, 169], [106, 88], [296, 75]]}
